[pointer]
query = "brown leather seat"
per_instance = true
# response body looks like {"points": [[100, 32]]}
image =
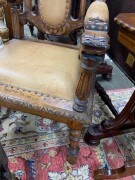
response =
{"points": [[40, 67]]}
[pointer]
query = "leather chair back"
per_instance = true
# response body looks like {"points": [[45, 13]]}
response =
{"points": [[54, 17]]}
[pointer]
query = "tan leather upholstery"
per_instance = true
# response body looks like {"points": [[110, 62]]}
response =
{"points": [[98, 9], [54, 12], [46, 68]]}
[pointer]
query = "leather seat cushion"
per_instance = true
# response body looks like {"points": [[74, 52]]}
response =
{"points": [[40, 67]]}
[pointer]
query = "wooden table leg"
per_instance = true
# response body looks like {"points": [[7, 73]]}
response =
{"points": [[123, 123], [128, 169]]}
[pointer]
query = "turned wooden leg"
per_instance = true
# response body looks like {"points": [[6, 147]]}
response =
{"points": [[73, 149]]}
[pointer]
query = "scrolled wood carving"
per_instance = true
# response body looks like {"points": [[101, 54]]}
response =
{"points": [[94, 39], [96, 26], [95, 34], [66, 25]]}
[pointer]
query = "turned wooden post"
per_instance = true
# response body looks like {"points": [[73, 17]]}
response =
{"points": [[7, 10], [85, 88], [95, 42], [73, 149], [4, 32], [18, 30]]}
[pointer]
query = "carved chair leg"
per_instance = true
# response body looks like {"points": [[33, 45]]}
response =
{"points": [[73, 149]]}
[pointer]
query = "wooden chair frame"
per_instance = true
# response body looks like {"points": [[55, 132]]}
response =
{"points": [[94, 43]]}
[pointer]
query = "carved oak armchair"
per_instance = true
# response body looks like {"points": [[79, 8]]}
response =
{"points": [[54, 80]]}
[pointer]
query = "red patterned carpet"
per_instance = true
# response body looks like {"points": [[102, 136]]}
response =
{"points": [[36, 147]]}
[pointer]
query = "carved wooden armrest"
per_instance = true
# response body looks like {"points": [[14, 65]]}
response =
{"points": [[94, 43], [4, 32]]}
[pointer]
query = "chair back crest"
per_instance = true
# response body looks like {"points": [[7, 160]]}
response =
{"points": [[54, 16]]}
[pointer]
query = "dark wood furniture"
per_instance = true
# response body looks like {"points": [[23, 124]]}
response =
{"points": [[4, 171], [54, 80], [123, 122], [126, 38], [117, 52]]}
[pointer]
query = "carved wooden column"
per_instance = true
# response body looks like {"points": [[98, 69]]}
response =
{"points": [[4, 32], [86, 83], [95, 42], [8, 18], [18, 30]]}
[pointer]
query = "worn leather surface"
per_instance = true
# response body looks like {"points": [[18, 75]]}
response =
{"points": [[46, 68], [98, 9], [53, 12]]}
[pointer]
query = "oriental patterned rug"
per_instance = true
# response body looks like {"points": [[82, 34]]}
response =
{"points": [[36, 147]]}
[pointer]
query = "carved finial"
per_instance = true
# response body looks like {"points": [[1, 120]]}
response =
{"points": [[96, 26]]}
